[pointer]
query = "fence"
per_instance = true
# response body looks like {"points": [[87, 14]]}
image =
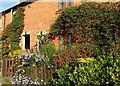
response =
{"points": [[42, 72]]}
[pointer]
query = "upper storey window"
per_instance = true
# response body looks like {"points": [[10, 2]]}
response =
{"points": [[61, 4], [68, 2]]}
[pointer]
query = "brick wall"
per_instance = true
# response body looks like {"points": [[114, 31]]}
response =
{"points": [[6, 19], [39, 16]]}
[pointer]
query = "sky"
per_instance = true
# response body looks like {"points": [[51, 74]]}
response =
{"points": [[5, 4]]}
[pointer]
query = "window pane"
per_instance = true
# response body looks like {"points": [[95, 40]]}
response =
{"points": [[61, 4], [68, 2], [61, 42], [70, 39]]}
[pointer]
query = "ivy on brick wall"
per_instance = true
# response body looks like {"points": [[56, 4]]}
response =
{"points": [[12, 33], [97, 21]]}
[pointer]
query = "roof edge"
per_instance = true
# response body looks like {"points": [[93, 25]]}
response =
{"points": [[14, 7]]}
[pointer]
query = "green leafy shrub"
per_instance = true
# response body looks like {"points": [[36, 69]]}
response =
{"points": [[63, 77], [48, 50], [103, 71]]}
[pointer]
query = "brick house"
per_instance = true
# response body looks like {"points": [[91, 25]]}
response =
{"points": [[39, 16]]}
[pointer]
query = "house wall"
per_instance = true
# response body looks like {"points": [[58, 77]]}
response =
{"points": [[39, 16], [6, 19]]}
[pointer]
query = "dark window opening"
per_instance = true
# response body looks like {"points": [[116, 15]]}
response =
{"points": [[27, 41]]}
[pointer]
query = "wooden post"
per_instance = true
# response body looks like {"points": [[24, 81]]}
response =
{"points": [[44, 72], [4, 67], [41, 68], [38, 72], [8, 67]]}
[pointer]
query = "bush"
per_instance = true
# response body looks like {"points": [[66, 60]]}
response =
{"points": [[103, 71]]}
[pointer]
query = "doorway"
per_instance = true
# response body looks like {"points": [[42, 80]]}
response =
{"points": [[27, 41]]}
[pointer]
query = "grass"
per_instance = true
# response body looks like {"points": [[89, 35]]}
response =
{"points": [[6, 80]]}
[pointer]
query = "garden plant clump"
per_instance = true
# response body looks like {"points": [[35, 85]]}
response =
{"points": [[12, 33], [104, 70], [95, 52], [27, 61]]}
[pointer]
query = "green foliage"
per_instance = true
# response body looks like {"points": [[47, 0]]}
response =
{"points": [[18, 26], [63, 74], [48, 50], [98, 21], [97, 31], [6, 80], [13, 32], [103, 71]]}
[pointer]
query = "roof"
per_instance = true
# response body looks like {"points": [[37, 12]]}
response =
{"points": [[14, 7]]}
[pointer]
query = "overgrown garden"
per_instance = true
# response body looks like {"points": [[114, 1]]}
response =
{"points": [[93, 58]]}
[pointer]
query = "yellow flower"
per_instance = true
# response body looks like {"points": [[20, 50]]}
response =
{"points": [[42, 38], [81, 60], [85, 59], [16, 53], [89, 59]]}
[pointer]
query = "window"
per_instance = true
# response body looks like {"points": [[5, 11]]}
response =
{"points": [[61, 42], [41, 39], [61, 4], [68, 2], [64, 42], [70, 39]]}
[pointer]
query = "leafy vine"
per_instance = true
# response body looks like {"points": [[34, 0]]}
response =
{"points": [[12, 33]]}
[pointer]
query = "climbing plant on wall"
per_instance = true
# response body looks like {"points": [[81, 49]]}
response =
{"points": [[96, 21], [12, 33]]}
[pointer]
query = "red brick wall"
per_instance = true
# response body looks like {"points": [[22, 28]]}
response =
{"points": [[39, 16], [6, 18]]}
